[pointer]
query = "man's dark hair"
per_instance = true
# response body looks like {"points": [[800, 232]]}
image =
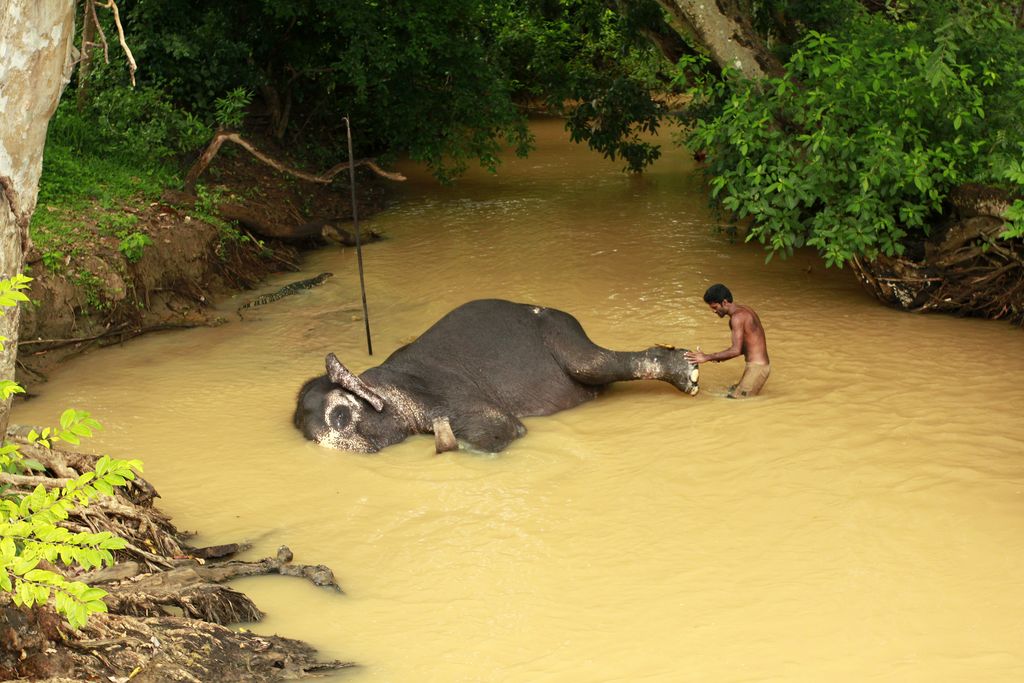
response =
{"points": [[716, 294]]}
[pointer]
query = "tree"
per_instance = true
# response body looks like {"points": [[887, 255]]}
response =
{"points": [[38, 37], [725, 28], [860, 147], [39, 40]]}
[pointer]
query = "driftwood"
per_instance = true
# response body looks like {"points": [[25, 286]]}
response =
{"points": [[167, 601], [965, 269], [326, 177]]}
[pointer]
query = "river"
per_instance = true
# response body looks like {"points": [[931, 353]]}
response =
{"points": [[862, 519]]}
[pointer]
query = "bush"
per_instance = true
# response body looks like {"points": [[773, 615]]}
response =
{"points": [[856, 146]]}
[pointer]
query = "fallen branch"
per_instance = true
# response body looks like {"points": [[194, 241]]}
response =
{"points": [[324, 178]]}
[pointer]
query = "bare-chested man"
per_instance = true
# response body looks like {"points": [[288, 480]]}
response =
{"points": [[747, 338]]}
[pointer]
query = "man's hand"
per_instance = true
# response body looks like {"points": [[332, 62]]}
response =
{"points": [[697, 356]]}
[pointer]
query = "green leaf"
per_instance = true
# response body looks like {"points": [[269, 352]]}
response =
{"points": [[91, 594]]}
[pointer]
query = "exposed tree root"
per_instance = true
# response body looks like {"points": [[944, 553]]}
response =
{"points": [[168, 603], [965, 270]]}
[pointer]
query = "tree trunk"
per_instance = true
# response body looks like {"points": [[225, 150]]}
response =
{"points": [[85, 66], [35, 65], [724, 28]]}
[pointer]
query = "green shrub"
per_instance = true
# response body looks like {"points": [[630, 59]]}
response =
{"points": [[132, 244], [856, 146]]}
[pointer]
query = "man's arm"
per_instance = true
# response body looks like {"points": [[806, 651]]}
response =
{"points": [[736, 324]]}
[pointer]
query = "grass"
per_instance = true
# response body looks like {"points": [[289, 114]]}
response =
{"points": [[117, 154]]}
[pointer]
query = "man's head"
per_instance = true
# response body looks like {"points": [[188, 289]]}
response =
{"points": [[719, 299]]}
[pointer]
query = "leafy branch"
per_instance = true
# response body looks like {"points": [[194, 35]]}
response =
{"points": [[32, 539]]}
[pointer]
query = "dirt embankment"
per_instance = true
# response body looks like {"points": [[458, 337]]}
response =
{"points": [[100, 295]]}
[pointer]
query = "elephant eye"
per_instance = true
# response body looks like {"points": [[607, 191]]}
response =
{"points": [[339, 417]]}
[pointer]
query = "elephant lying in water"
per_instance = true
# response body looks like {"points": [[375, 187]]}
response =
{"points": [[470, 378]]}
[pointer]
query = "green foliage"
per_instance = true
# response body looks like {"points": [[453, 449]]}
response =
{"points": [[30, 531], [92, 287], [417, 77], [118, 150], [858, 144], [132, 243], [593, 64], [230, 109], [140, 126], [12, 291], [30, 525]]}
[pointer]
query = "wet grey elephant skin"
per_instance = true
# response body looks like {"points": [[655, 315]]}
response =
{"points": [[470, 377]]}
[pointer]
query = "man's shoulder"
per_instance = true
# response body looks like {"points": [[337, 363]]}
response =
{"points": [[744, 312]]}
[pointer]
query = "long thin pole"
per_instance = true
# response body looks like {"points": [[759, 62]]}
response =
{"points": [[355, 221]]}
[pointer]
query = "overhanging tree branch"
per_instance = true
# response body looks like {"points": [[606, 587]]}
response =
{"points": [[324, 178]]}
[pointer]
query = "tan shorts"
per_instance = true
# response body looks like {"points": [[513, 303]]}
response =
{"points": [[754, 377]]}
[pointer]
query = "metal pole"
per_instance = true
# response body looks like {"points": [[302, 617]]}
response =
{"points": [[355, 221]]}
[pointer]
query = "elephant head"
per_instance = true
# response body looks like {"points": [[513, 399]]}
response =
{"points": [[339, 410]]}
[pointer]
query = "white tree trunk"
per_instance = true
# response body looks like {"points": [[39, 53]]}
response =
{"points": [[36, 45], [724, 29]]}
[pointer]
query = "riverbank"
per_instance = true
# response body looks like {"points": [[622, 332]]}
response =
{"points": [[167, 599], [181, 257]]}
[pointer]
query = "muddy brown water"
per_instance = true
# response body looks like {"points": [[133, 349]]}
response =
{"points": [[862, 520]]}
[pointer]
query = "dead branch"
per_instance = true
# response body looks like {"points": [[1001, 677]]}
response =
{"points": [[46, 457], [324, 178], [166, 648], [122, 330], [29, 482], [132, 68], [103, 35], [319, 575]]}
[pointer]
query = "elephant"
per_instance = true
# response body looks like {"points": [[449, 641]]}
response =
{"points": [[470, 378]]}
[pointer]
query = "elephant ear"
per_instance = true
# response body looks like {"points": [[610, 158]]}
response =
{"points": [[342, 376]]}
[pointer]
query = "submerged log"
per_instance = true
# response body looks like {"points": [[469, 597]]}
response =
{"points": [[168, 605]]}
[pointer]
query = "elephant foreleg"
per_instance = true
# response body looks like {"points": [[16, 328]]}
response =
{"points": [[588, 363], [489, 430]]}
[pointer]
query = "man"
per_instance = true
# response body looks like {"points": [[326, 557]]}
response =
{"points": [[747, 338]]}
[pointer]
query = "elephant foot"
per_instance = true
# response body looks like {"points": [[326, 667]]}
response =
{"points": [[679, 372]]}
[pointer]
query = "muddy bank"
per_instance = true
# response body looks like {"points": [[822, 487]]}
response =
{"points": [[200, 248]]}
